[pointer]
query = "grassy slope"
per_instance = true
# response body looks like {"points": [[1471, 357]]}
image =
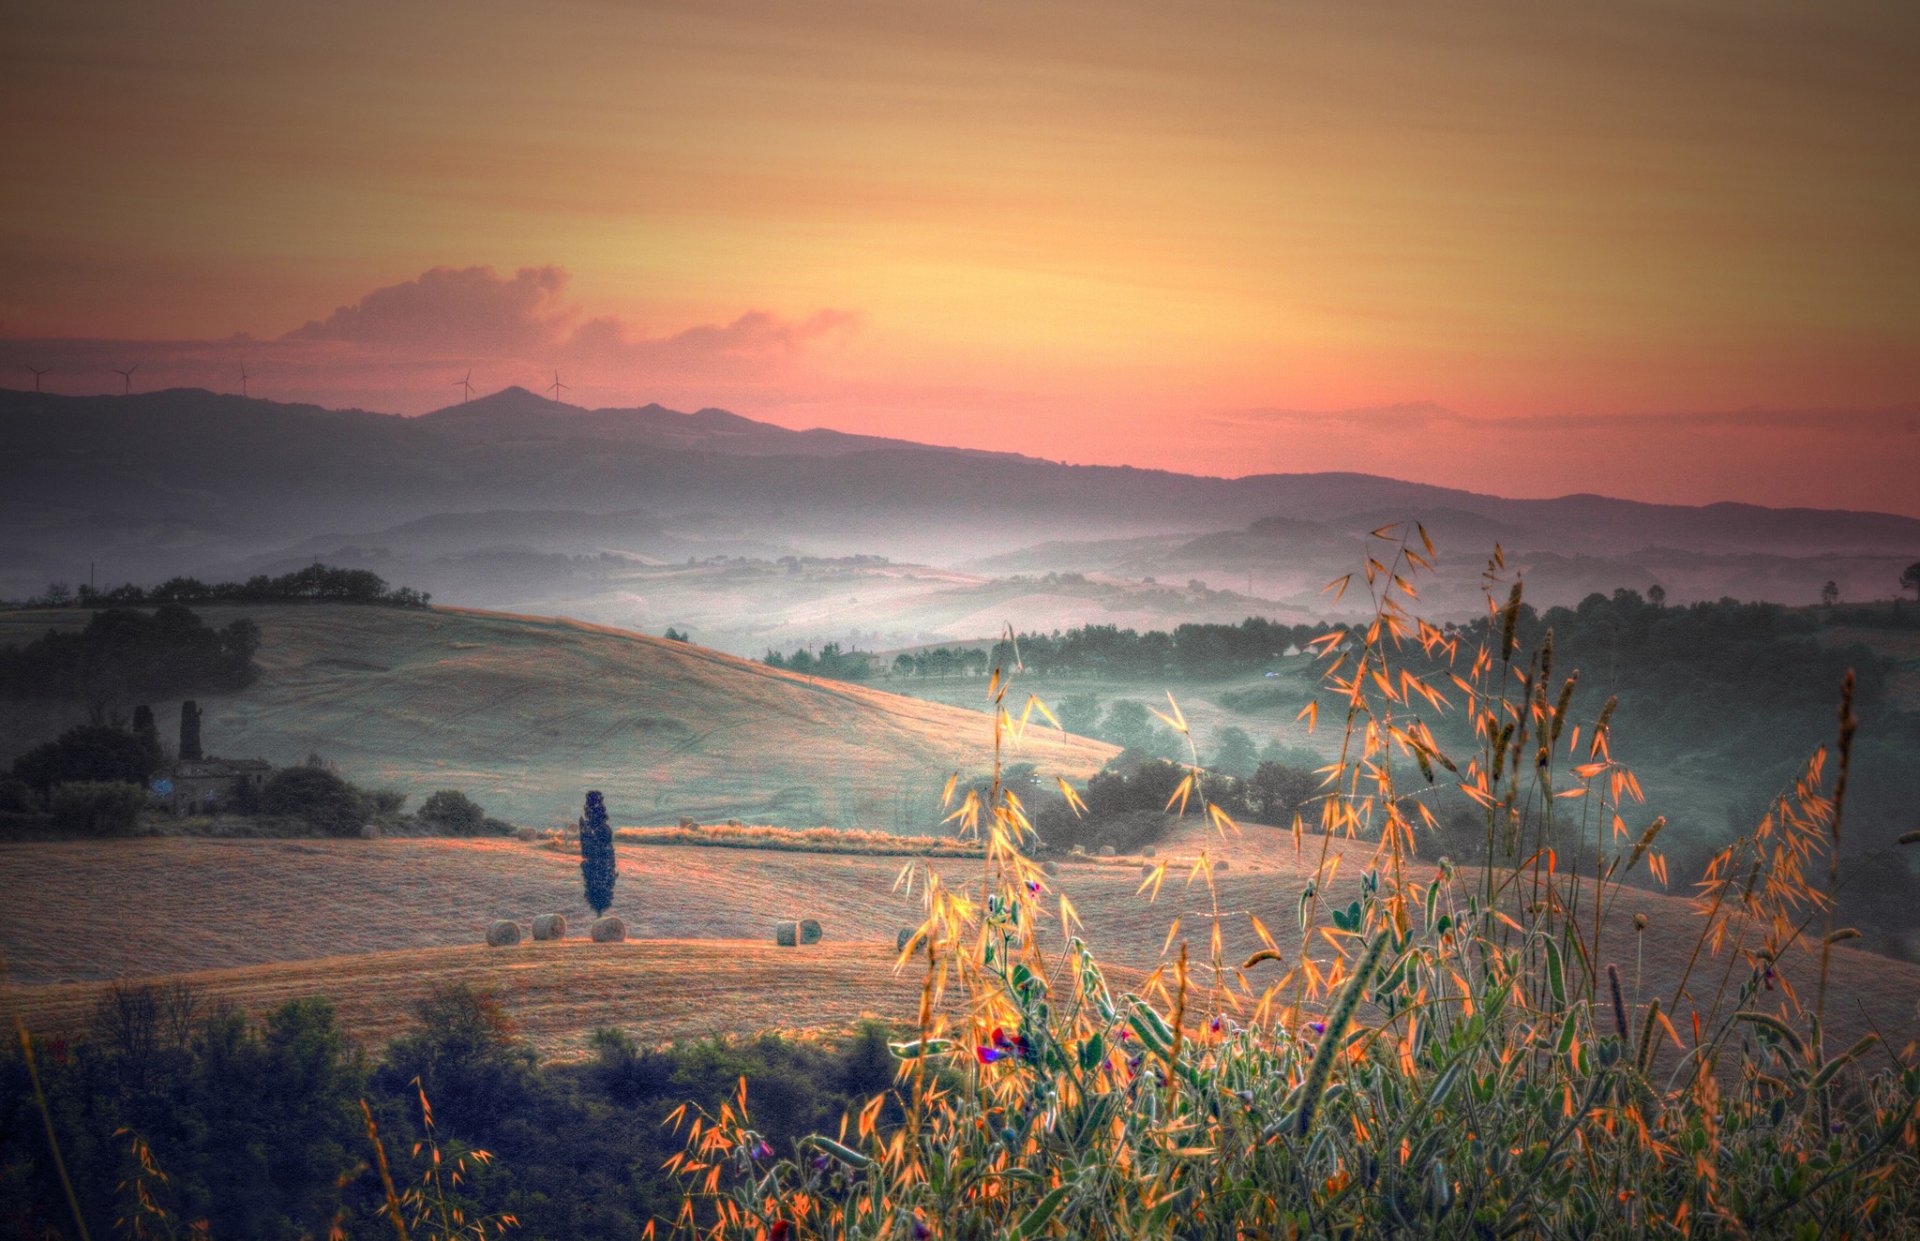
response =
{"points": [[274, 919], [525, 713]]}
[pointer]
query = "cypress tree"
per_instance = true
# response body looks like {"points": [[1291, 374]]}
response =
{"points": [[148, 732], [597, 866], [190, 732]]}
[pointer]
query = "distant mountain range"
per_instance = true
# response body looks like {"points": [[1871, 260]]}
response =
{"points": [[190, 481]]}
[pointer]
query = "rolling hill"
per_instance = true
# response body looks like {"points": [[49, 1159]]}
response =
{"points": [[525, 713]]}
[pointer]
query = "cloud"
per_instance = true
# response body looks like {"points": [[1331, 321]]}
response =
{"points": [[397, 347], [471, 310]]}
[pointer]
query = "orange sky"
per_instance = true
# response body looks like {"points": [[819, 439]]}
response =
{"points": [[1165, 234]]}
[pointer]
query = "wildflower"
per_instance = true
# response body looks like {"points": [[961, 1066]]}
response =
{"points": [[780, 1231], [1033, 886], [1214, 1025], [1318, 1027], [920, 1230], [760, 1150], [821, 1163], [987, 1054]]}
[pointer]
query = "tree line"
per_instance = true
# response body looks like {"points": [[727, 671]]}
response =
{"points": [[124, 654], [314, 583]]}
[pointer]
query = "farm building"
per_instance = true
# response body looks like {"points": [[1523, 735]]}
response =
{"points": [[209, 784]]}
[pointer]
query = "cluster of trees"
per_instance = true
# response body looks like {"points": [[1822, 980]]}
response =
{"points": [[1193, 650], [1126, 804], [92, 780], [257, 1126], [125, 654], [832, 663], [316, 582], [942, 662]]}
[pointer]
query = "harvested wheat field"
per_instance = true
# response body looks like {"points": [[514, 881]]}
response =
{"points": [[524, 714], [160, 907], [558, 992]]}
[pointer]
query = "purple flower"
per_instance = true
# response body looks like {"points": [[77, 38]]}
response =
{"points": [[1033, 886], [1214, 1025], [920, 1231], [761, 1150], [987, 1054], [1318, 1027], [821, 1163]]}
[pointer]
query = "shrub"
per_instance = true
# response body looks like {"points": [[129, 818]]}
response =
{"points": [[88, 753], [17, 796], [454, 813], [385, 801], [317, 795], [97, 808]]}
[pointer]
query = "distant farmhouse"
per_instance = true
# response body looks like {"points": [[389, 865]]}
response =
{"points": [[207, 785], [204, 784]]}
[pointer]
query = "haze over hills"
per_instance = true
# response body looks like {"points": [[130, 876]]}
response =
{"points": [[515, 501]]}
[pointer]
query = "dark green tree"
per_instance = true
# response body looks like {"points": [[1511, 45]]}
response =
{"points": [[453, 812], [1910, 578], [190, 732], [1234, 752], [148, 732], [597, 866], [317, 795], [88, 753]]}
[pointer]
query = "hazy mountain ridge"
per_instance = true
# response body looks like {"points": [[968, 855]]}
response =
{"points": [[184, 480]]}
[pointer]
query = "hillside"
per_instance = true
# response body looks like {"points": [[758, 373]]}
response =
{"points": [[525, 714]]}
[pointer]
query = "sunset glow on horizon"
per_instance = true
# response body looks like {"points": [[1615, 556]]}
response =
{"points": [[1659, 251]]}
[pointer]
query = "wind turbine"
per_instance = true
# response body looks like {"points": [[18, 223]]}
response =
{"points": [[37, 372], [466, 387], [128, 376], [243, 379], [556, 387]]}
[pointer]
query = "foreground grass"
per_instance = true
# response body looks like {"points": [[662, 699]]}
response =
{"points": [[1456, 1056]]}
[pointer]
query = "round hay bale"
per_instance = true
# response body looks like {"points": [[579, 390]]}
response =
{"points": [[503, 934], [1220, 866], [1106, 851], [370, 831], [608, 930], [1051, 868], [809, 931], [689, 825], [550, 926], [787, 934], [527, 834], [904, 938]]}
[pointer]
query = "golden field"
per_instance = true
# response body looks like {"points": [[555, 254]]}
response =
{"points": [[375, 924]]}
